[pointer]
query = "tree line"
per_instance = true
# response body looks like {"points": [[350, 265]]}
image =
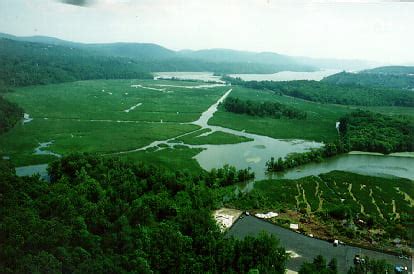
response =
{"points": [[324, 92], [296, 159], [262, 109]]}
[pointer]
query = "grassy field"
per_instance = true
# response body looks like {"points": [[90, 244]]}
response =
{"points": [[70, 136], [319, 125], [108, 99], [96, 116]]}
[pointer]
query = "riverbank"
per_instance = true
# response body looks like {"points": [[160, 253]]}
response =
{"points": [[409, 154]]}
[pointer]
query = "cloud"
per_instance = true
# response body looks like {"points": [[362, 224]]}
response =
{"points": [[81, 3]]}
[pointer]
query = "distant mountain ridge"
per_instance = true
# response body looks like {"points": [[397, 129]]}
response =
{"points": [[217, 60]]}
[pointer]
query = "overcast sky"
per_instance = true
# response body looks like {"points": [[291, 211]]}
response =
{"points": [[365, 29]]}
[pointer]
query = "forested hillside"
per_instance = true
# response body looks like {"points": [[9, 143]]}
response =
{"points": [[381, 80], [154, 57], [102, 215], [26, 63], [324, 92]]}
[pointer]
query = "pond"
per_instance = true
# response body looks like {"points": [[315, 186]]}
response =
{"points": [[33, 169]]}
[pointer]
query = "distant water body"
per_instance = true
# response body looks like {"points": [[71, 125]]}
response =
{"points": [[287, 75], [279, 76], [202, 76]]}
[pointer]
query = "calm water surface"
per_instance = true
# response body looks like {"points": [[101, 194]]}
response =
{"points": [[287, 75]]}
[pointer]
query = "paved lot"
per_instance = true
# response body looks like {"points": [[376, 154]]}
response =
{"points": [[307, 248]]}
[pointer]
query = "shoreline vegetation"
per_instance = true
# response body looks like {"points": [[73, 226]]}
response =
{"points": [[408, 154]]}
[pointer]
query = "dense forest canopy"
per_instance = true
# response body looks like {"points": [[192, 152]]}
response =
{"points": [[368, 131], [380, 80], [324, 92], [102, 215], [263, 109]]}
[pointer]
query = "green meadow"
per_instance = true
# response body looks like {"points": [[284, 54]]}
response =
{"points": [[318, 126], [109, 99], [96, 117]]}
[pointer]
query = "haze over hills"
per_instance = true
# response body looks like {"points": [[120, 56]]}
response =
{"points": [[217, 60]]}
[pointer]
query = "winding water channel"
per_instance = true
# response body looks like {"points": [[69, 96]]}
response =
{"points": [[255, 153]]}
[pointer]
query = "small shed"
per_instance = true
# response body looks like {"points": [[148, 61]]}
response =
{"points": [[294, 226]]}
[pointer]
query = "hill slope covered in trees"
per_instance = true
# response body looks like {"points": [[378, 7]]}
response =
{"points": [[380, 80], [26, 63], [154, 57], [106, 216], [324, 92]]}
